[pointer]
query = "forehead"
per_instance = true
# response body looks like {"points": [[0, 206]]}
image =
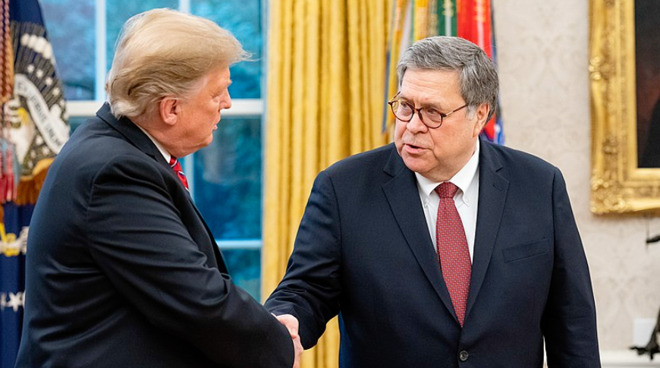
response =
{"points": [[220, 76], [426, 84]]}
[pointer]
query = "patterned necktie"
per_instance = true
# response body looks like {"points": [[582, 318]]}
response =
{"points": [[453, 249], [176, 166]]}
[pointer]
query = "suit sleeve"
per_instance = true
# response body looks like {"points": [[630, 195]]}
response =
{"points": [[140, 242], [311, 288], [569, 321]]}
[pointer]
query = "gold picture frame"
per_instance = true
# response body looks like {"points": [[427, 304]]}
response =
{"points": [[618, 185]]}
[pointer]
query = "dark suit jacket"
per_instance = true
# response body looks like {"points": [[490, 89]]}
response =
{"points": [[363, 250], [123, 272]]}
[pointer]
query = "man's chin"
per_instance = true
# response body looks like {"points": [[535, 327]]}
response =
{"points": [[414, 163]]}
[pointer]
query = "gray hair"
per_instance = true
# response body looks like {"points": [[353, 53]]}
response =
{"points": [[163, 53], [476, 71]]}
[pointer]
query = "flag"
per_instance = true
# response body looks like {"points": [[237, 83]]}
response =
{"points": [[34, 129], [475, 24], [12, 279], [469, 19], [398, 41]]}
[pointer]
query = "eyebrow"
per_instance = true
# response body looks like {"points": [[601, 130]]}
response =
{"points": [[424, 105]]}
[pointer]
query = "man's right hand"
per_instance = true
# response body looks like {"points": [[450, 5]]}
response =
{"points": [[291, 323]]}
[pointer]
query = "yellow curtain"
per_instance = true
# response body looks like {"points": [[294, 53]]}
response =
{"points": [[325, 101]]}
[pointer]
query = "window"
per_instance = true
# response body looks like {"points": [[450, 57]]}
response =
{"points": [[225, 178]]}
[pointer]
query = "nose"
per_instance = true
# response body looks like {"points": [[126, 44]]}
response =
{"points": [[225, 102], [415, 125]]}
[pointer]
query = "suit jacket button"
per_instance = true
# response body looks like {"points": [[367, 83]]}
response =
{"points": [[463, 355]]}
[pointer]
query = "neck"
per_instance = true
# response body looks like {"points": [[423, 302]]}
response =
{"points": [[450, 169]]}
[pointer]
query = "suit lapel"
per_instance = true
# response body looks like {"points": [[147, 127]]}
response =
{"points": [[403, 197], [492, 195]]}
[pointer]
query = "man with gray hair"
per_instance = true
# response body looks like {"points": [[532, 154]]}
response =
{"points": [[441, 249], [122, 270]]}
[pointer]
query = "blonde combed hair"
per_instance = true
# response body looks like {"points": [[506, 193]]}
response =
{"points": [[163, 53]]}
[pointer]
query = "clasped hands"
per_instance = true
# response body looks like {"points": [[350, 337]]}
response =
{"points": [[291, 323]]}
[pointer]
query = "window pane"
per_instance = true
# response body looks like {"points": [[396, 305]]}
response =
{"points": [[245, 269], [70, 27], [243, 19], [118, 12], [227, 180]]}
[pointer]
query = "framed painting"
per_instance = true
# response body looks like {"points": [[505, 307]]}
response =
{"points": [[624, 69]]}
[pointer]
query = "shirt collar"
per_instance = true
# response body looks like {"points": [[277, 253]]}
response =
{"points": [[160, 147], [462, 179]]}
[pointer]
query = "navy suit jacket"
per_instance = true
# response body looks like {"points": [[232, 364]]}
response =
{"points": [[363, 251], [123, 272]]}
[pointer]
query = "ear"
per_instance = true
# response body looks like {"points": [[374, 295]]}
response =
{"points": [[481, 115], [169, 109]]}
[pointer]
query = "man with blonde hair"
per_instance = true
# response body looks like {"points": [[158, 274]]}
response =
{"points": [[122, 271]]}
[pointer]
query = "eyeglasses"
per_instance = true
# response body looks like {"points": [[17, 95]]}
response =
{"points": [[431, 117]]}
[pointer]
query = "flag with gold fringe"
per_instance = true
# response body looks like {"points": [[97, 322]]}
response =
{"points": [[34, 129], [413, 20]]}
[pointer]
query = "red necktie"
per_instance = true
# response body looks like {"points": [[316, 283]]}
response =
{"points": [[453, 249], [176, 166]]}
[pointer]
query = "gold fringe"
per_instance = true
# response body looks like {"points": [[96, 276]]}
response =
{"points": [[30, 186]]}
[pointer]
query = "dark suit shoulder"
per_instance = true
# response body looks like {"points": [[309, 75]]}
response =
{"points": [[512, 159], [97, 151], [368, 161], [97, 141]]}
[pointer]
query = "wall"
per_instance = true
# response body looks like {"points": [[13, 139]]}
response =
{"points": [[542, 52]]}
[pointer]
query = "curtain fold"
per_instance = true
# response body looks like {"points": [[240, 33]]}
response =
{"points": [[325, 83]]}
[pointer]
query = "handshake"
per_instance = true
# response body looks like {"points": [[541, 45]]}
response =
{"points": [[291, 323]]}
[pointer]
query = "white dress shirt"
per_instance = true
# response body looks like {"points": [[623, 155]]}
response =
{"points": [[466, 199]]}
